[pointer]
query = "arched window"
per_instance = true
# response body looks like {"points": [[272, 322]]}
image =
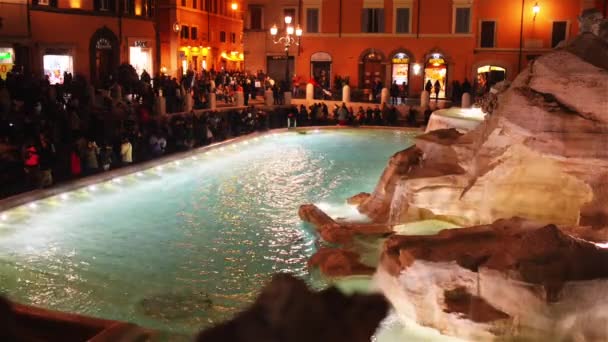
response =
{"points": [[400, 63], [435, 75]]}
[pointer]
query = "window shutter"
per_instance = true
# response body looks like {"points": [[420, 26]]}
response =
{"points": [[380, 19], [365, 27]]}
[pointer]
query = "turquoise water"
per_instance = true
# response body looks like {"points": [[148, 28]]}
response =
{"points": [[188, 244]]}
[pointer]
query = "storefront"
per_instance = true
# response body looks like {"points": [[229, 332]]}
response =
{"points": [[196, 58], [489, 75], [140, 55], [320, 68], [400, 68], [56, 62], [435, 71], [232, 60], [7, 60]]}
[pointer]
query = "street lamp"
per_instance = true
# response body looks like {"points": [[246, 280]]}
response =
{"points": [[287, 40]]}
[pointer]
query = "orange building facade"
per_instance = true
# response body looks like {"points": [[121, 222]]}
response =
{"points": [[411, 41], [90, 37], [200, 34]]}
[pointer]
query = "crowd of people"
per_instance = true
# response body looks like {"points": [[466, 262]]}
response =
{"points": [[50, 133], [319, 114]]}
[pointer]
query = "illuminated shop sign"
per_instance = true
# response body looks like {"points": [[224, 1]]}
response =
{"points": [[436, 61], [6, 56], [400, 58], [103, 44], [141, 43]]}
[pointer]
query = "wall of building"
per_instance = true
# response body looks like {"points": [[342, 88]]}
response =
{"points": [[433, 32], [207, 46]]}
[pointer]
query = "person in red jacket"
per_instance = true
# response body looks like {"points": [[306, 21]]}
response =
{"points": [[31, 163]]}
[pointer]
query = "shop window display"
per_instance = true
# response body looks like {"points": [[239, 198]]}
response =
{"points": [[7, 58], [55, 66], [401, 63]]}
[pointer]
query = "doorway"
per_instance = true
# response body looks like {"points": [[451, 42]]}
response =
{"points": [[373, 69], [104, 52]]}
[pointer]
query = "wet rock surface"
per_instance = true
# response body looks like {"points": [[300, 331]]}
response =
{"points": [[512, 278], [286, 310]]}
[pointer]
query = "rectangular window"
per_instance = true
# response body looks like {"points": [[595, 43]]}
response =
{"points": [[194, 33], [206, 5], [222, 36], [195, 4], [312, 20], [372, 20], [232, 37], [102, 5], [559, 32], [184, 3], [463, 20], [488, 30], [129, 7], [185, 32], [43, 2], [402, 20], [291, 12], [255, 17]]}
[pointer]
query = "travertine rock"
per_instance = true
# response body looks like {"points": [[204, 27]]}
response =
{"points": [[286, 310], [334, 232], [335, 262], [542, 154], [512, 278]]}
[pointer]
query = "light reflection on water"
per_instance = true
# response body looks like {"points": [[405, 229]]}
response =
{"points": [[183, 246]]}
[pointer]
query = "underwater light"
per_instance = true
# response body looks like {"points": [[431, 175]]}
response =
{"points": [[177, 162], [92, 188], [32, 205], [4, 217], [64, 196], [193, 158], [139, 174], [159, 168], [316, 131], [246, 142], [116, 180]]}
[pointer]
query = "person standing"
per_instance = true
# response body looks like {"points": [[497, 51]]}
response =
{"points": [[47, 159], [394, 93], [90, 157], [31, 163], [437, 88], [126, 152]]}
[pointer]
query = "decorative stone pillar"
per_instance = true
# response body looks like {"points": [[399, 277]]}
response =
{"points": [[466, 100], [239, 98], [287, 97], [425, 98], [268, 98], [212, 101], [346, 93], [310, 92], [384, 96], [160, 106], [188, 101]]}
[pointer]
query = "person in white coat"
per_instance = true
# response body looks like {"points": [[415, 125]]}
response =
{"points": [[126, 151]]}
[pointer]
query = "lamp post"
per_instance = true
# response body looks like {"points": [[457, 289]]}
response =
{"points": [[291, 36]]}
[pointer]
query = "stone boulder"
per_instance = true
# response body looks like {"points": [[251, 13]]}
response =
{"points": [[513, 278], [542, 154], [286, 310], [335, 262]]}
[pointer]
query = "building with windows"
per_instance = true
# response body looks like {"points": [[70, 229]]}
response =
{"points": [[14, 35], [200, 34], [411, 41], [91, 37]]}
